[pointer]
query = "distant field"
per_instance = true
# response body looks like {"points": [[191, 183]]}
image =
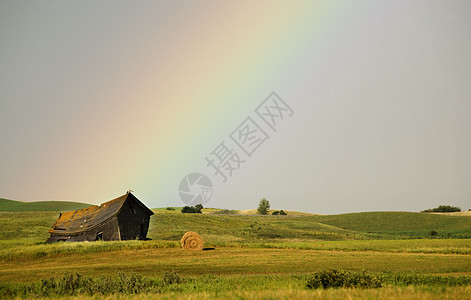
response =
{"points": [[228, 230], [249, 256], [170, 225], [229, 272], [224, 261], [13, 206]]}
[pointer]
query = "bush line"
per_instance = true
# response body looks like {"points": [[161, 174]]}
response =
{"points": [[132, 283]]}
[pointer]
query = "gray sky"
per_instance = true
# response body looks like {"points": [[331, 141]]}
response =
{"points": [[98, 98]]}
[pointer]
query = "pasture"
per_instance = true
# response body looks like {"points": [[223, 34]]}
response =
{"points": [[14, 206], [247, 256]]}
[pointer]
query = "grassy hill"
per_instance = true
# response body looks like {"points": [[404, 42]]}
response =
{"points": [[407, 224], [12, 205], [170, 225], [250, 254]]}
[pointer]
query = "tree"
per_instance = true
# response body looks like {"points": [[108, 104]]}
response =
{"points": [[187, 209], [198, 208], [443, 209], [192, 210], [263, 207]]}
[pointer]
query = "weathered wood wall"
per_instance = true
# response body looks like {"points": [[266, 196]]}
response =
{"points": [[133, 221], [109, 232]]}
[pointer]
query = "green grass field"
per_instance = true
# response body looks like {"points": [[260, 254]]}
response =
{"points": [[14, 206], [369, 225], [249, 257]]}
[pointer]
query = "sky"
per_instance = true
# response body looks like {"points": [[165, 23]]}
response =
{"points": [[319, 106]]}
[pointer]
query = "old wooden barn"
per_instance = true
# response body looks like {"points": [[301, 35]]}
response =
{"points": [[124, 218]]}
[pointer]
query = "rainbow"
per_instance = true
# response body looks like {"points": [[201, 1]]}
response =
{"points": [[225, 60]]}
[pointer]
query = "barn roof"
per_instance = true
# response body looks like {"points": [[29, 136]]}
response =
{"points": [[85, 219]]}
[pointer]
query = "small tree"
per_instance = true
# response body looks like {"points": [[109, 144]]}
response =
{"points": [[198, 208], [443, 209], [192, 210], [263, 207], [187, 209]]}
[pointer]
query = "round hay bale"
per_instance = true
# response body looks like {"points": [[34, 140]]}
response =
{"points": [[192, 241]]}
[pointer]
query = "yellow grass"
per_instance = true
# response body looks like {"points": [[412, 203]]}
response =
{"points": [[230, 261], [389, 293], [456, 214]]}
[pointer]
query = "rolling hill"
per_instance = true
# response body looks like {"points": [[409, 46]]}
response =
{"points": [[17, 219], [170, 225], [13, 206]]}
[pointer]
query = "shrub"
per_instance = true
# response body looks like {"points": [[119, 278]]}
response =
{"points": [[342, 278], [198, 208], [170, 208], [192, 210], [172, 278], [188, 209], [75, 284], [279, 212], [443, 209]]}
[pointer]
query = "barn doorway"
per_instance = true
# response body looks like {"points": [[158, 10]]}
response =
{"points": [[143, 232]]}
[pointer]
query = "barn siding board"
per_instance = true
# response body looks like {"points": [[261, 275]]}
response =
{"points": [[133, 221], [123, 218]]}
